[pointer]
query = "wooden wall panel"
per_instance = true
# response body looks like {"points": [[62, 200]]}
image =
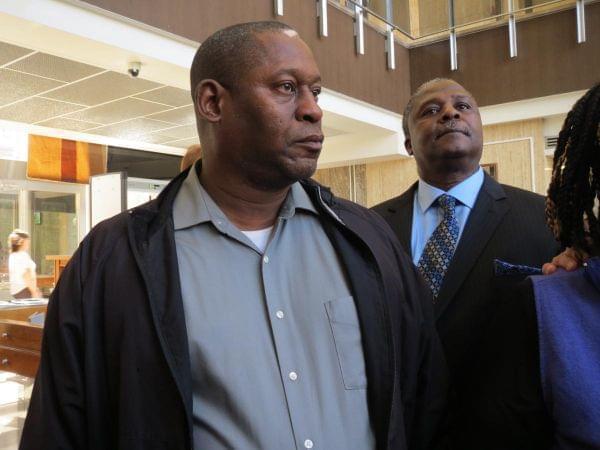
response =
{"points": [[360, 184], [337, 179], [513, 162], [389, 179], [549, 62], [363, 77], [349, 182], [506, 153]]}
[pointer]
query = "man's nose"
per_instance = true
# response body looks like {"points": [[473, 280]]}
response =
{"points": [[307, 108], [450, 112]]}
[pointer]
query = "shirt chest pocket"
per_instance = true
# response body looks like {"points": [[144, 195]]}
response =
{"points": [[345, 328]]}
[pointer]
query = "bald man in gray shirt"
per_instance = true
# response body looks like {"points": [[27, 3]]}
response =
{"points": [[246, 307]]}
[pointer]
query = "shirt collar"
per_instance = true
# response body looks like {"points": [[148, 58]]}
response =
{"points": [[297, 198], [465, 192], [193, 205]]}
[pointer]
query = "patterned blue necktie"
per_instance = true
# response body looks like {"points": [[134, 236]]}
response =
{"points": [[440, 247]]}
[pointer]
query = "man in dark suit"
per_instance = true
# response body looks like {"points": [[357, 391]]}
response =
{"points": [[456, 220]]}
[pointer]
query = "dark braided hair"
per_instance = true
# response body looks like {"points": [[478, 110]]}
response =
{"points": [[574, 192]]}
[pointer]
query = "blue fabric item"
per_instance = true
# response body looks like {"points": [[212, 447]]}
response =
{"points": [[426, 216], [502, 268], [441, 245], [568, 314]]}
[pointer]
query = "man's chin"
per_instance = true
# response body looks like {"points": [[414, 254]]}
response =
{"points": [[285, 176], [299, 174]]}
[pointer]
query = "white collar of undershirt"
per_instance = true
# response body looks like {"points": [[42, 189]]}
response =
{"points": [[260, 238]]}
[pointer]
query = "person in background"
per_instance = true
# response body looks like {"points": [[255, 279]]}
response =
{"points": [[541, 385], [21, 268], [192, 154], [456, 220]]}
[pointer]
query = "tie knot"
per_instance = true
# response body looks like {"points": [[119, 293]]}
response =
{"points": [[447, 203]]}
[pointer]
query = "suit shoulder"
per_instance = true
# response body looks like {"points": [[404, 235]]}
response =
{"points": [[523, 195], [112, 232], [394, 204]]}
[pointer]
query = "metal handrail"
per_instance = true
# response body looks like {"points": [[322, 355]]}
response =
{"points": [[446, 31]]}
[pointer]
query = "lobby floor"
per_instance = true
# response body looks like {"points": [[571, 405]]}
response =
{"points": [[15, 392]]}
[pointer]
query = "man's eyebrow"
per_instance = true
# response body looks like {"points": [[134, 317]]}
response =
{"points": [[296, 74], [435, 99], [463, 97]]}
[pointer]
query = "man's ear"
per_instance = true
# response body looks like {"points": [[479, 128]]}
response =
{"points": [[408, 146], [208, 100]]}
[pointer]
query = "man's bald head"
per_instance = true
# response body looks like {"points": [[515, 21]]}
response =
{"points": [[229, 54]]}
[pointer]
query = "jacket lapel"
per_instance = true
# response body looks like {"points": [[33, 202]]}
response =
{"points": [[405, 219], [399, 215], [152, 240], [365, 283], [487, 213]]}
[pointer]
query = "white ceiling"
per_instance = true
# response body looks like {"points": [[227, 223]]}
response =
{"points": [[46, 90]]}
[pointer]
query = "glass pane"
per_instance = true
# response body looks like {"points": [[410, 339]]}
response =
{"points": [[433, 16], [9, 219], [143, 164], [401, 14], [378, 7], [467, 11], [54, 228]]}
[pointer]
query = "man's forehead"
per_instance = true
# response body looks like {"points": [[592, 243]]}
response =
{"points": [[286, 52], [443, 87]]}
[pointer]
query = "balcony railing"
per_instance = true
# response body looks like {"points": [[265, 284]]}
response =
{"points": [[418, 22]]}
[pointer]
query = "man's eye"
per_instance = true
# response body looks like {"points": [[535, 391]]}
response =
{"points": [[288, 88], [463, 106], [316, 92], [432, 110]]}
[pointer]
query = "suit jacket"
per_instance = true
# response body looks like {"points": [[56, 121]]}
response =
{"points": [[506, 223]]}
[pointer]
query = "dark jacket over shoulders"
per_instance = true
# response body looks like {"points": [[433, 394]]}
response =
{"points": [[505, 223], [505, 408], [115, 370]]}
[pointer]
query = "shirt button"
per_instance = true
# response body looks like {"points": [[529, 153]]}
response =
{"points": [[266, 259], [293, 376], [308, 443], [279, 314]]}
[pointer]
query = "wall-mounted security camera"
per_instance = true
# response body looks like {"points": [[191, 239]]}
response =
{"points": [[133, 68]]}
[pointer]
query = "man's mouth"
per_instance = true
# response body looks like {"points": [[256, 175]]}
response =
{"points": [[452, 130], [313, 142]]}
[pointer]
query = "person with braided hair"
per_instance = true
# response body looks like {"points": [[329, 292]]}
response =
{"points": [[542, 379]]}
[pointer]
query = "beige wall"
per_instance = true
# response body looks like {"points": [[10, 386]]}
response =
{"points": [[389, 179], [348, 182], [516, 148]]}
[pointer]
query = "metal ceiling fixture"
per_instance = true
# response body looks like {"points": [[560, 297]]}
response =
{"points": [[359, 27], [512, 29], [278, 4], [389, 42], [580, 9], [322, 15], [453, 48]]}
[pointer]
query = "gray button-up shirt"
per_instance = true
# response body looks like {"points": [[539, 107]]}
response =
{"points": [[274, 338]]}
